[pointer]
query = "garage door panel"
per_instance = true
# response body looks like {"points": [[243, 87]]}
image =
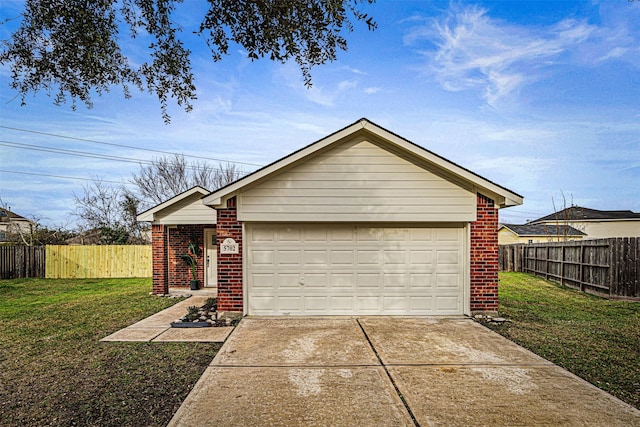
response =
{"points": [[421, 305], [420, 281], [266, 257], [263, 280], [315, 257], [394, 280], [289, 234], [287, 281], [316, 280], [448, 281], [286, 258], [448, 258], [291, 304], [447, 304], [368, 257], [342, 235], [368, 304], [421, 258], [421, 234], [342, 304], [368, 281], [348, 269], [316, 304], [342, 280], [315, 235], [395, 257], [448, 235]]}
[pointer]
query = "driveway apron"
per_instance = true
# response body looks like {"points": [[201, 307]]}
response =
{"points": [[388, 371]]}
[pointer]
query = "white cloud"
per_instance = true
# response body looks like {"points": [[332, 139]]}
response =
{"points": [[371, 90], [474, 51]]}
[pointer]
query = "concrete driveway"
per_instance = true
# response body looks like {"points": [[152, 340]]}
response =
{"points": [[388, 371]]}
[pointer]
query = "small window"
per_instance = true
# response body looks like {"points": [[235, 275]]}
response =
{"points": [[530, 240]]}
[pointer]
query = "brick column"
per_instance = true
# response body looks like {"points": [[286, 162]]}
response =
{"points": [[159, 259], [484, 257], [229, 265]]}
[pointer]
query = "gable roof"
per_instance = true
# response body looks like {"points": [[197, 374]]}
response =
{"points": [[577, 213], [7, 215], [148, 215], [543, 230], [502, 196]]}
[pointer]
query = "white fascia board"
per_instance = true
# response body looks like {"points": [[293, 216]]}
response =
{"points": [[149, 215]]}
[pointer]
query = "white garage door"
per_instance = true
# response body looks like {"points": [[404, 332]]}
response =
{"points": [[345, 269]]}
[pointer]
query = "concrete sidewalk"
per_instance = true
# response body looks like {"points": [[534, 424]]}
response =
{"points": [[157, 328], [353, 371]]}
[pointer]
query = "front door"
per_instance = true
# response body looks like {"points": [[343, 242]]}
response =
{"points": [[211, 259]]}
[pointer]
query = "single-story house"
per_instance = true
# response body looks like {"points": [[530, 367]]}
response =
{"points": [[12, 223], [536, 233], [594, 223], [361, 222]]}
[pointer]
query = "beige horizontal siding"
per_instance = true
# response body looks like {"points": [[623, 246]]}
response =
{"points": [[187, 211], [357, 181]]}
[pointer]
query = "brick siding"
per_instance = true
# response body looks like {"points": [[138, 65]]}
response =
{"points": [[229, 265], [484, 257], [159, 259], [179, 239]]}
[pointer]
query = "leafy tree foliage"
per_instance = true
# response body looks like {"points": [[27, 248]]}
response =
{"points": [[73, 47]]}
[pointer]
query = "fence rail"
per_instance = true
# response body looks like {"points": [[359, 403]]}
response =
{"points": [[82, 262], [18, 262], [609, 267]]}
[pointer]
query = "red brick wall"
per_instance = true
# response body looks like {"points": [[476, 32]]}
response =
{"points": [[484, 257], [229, 265], [178, 243], [159, 257]]}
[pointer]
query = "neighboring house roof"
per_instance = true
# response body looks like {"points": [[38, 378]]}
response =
{"points": [[7, 215], [578, 213], [542, 230], [151, 214], [421, 156]]}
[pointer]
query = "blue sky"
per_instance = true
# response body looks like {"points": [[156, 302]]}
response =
{"points": [[541, 97]]}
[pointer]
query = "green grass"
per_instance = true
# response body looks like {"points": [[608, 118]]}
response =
{"points": [[54, 370], [595, 338]]}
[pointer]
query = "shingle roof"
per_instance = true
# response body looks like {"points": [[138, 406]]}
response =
{"points": [[11, 215], [543, 230], [577, 213]]}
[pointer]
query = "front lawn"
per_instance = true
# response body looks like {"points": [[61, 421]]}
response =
{"points": [[54, 370], [595, 338]]}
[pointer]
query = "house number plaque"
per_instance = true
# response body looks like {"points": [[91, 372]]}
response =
{"points": [[229, 246]]}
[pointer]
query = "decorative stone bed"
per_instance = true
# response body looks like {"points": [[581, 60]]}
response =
{"points": [[206, 316]]}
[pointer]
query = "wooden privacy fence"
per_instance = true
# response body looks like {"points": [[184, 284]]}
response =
{"points": [[609, 267], [17, 262], [98, 261]]}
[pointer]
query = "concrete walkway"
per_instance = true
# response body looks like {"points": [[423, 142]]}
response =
{"points": [[386, 371], [157, 328]]}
